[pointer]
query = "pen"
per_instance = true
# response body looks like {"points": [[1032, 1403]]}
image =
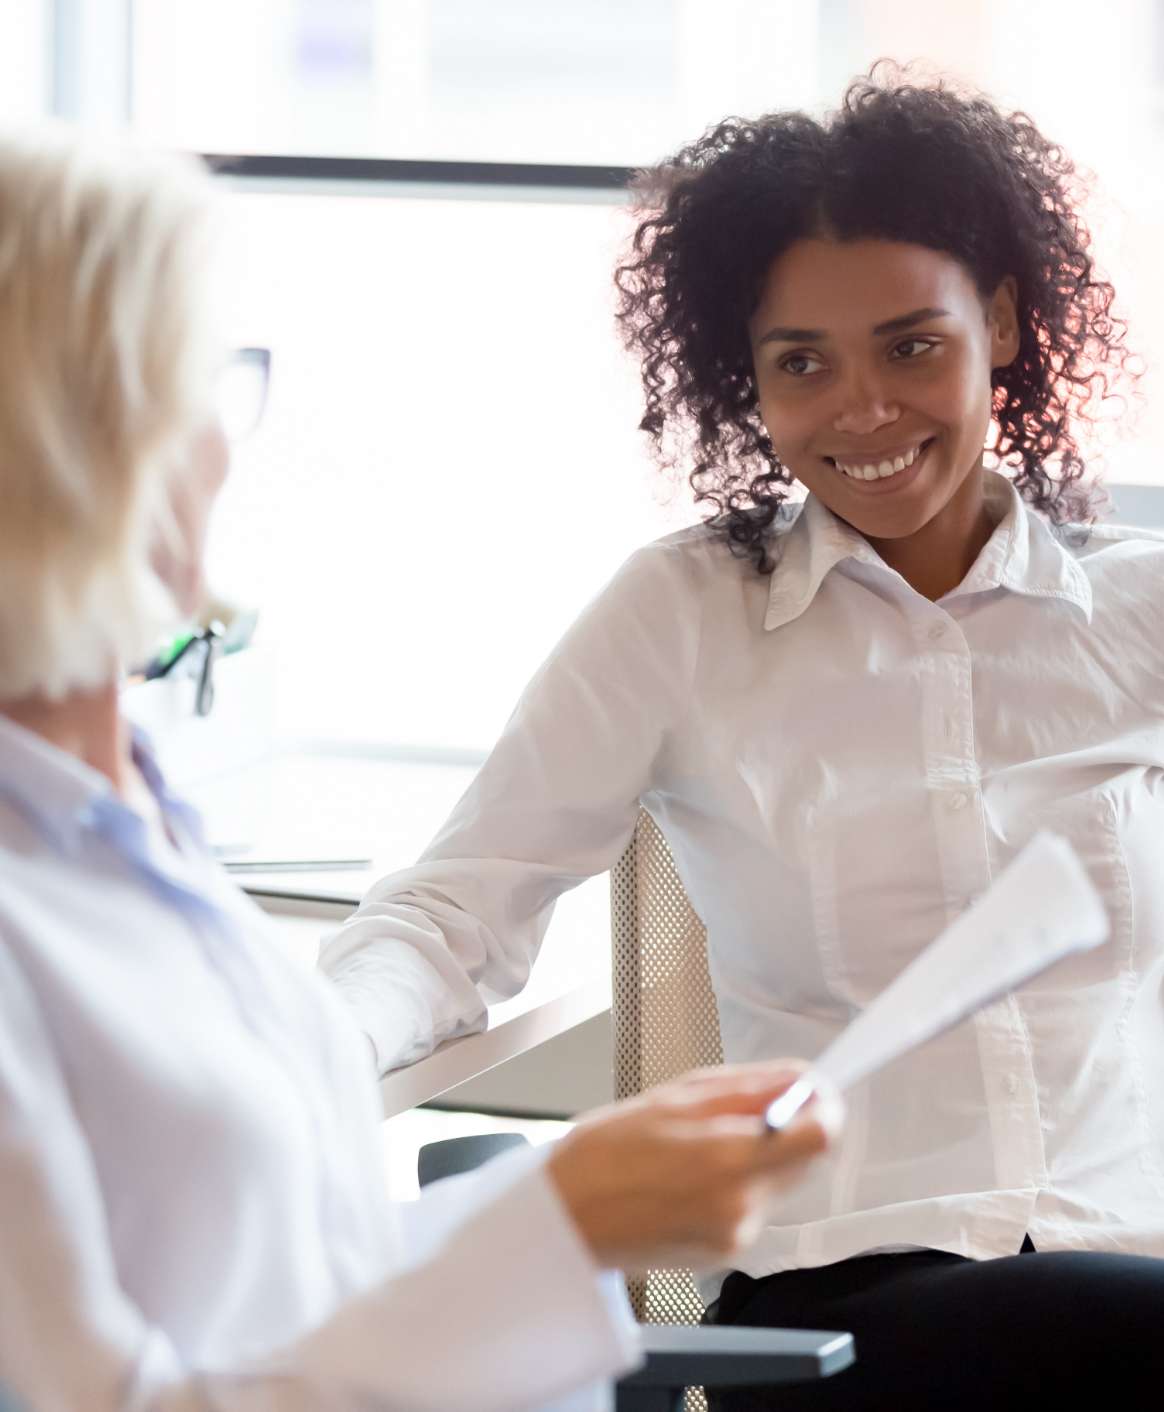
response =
{"points": [[781, 1111]]}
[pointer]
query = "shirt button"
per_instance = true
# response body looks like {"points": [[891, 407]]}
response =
{"points": [[959, 800], [938, 630], [1011, 1085]]}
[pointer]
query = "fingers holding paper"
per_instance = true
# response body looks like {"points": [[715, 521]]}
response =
{"points": [[686, 1174]]}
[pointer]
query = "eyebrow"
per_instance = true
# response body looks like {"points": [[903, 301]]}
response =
{"points": [[782, 334]]}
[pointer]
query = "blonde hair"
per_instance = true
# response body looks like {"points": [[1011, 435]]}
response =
{"points": [[107, 364]]}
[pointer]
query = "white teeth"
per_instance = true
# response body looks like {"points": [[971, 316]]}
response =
{"points": [[880, 470]]}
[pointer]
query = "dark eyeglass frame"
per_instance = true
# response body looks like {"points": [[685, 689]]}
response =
{"points": [[208, 641]]}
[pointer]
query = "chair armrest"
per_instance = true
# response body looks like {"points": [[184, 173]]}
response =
{"points": [[451, 1156], [681, 1355]]}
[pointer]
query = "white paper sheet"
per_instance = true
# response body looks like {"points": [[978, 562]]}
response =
{"points": [[1041, 908]]}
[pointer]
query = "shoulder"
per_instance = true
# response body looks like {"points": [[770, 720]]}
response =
{"points": [[1125, 569], [683, 551], [653, 614], [1116, 553], [692, 564], [1094, 538]]}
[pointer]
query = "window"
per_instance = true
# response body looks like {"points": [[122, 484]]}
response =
{"points": [[449, 466], [573, 81], [25, 61]]}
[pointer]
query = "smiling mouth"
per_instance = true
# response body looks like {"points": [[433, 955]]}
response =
{"points": [[881, 470]]}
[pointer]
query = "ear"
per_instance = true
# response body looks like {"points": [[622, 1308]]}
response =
{"points": [[1002, 321]]}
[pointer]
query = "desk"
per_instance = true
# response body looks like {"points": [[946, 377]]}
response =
{"points": [[392, 806], [560, 994]]}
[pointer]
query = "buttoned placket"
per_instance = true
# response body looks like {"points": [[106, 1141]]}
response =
{"points": [[954, 781]]}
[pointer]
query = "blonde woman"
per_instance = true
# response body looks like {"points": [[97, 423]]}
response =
{"points": [[191, 1211]]}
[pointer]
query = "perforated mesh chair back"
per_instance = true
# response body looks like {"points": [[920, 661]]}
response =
{"points": [[665, 1017]]}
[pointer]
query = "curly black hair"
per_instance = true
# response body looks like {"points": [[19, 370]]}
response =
{"points": [[921, 163]]}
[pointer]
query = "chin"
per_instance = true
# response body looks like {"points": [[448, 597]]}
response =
{"points": [[896, 523], [892, 519]]}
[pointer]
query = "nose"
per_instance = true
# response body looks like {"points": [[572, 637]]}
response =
{"points": [[864, 406]]}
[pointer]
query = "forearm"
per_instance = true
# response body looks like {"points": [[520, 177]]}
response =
{"points": [[500, 1307], [555, 803]]}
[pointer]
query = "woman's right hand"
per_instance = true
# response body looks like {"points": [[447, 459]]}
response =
{"points": [[684, 1175]]}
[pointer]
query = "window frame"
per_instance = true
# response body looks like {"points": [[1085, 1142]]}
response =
{"points": [[528, 178]]}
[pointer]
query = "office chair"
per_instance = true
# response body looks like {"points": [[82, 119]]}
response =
{"points": [[666, 1022], [664, 1015]]}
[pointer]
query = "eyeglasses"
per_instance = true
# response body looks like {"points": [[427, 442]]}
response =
{"points": [[241, 394], [206, 644]]}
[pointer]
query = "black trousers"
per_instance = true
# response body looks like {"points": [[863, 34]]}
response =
{"points": [[1056, 1330]]}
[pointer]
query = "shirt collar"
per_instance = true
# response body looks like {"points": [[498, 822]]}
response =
{"points": [[63, 797], [1022, 555], [817, 542]]}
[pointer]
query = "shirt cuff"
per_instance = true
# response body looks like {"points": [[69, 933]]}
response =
{"points": [[392, 1017], [590, 1301], [393, 993], [540, 1247]]}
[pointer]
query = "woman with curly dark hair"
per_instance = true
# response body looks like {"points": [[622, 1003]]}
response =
{"points": [[898, 166], [848, 716]]}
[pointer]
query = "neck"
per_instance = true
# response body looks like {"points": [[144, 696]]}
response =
{"points": [[936, 559], [87, 724]]}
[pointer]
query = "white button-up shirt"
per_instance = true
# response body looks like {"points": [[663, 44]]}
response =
{"points": [[840, 767], [192, 1207]]}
